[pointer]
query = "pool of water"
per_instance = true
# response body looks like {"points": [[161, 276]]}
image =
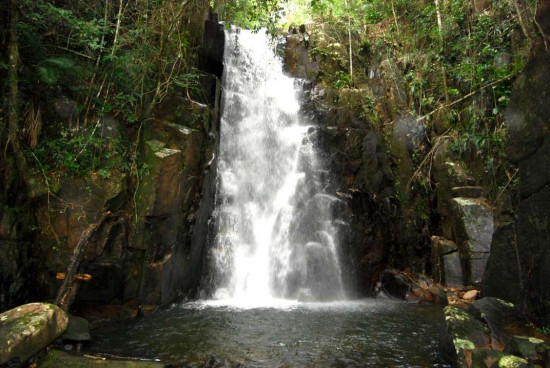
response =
{"points": [[366, 333]]}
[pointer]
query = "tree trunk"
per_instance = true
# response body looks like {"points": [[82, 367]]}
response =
{"points": [[440, 29], [13, 65], [69, 287]]}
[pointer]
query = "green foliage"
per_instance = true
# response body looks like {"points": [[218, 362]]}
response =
{"points": [[50, 70], [344, 80], [79, 153], [250, 14]]}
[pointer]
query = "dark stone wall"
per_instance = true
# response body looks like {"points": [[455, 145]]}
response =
{"points": [[519, 266], [151, 252]]}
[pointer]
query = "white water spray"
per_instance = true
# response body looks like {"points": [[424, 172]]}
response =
{"points": [[275, 239]]}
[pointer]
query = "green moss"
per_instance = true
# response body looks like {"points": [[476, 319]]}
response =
{"points": [[156, 145], [463, 344], [511, 361]]}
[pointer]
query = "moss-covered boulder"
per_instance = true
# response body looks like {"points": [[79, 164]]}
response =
{"points": [[485, 358], [502, 318], [59, 359], [26, 330], [462, 334], [512, 361], [527, 347]]}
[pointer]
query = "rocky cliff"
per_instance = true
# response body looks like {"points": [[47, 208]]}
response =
{"points": [[519, 266], [150, 250]]}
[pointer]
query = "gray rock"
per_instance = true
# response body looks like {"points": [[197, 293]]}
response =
{"points": [[452, 269], [79, 329], [535, 170], [501, 317], [502, 277], [525, 347], [440, 247], [28, 329], [462, 333]]}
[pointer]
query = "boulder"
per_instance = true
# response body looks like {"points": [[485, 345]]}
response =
{"points": [[486, 358], [79, 329], [394, 284], [440, 248], [512, 361], [473, 231], [470, 295], [526, 347], [502, 278], [28, 329], [452, 269], [501, 317], [461, 335]]}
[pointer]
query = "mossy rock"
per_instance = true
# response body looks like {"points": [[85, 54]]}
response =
{"points": [[28, 329], [525, 346], [485, 358], [462, 334], [60, 359], [511, 361]]}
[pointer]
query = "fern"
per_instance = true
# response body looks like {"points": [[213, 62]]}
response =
{"points": [[50, 69]]}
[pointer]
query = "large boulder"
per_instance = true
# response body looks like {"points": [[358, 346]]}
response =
{"points": [[528, 145], [473, 232], [461, 334], [502, 318], [28, 329]]}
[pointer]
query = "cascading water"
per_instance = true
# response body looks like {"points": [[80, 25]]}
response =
{"points": [[276, 242], [275, 236]]}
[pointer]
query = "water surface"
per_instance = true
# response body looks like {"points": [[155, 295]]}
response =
{"points": [[365, 333]]}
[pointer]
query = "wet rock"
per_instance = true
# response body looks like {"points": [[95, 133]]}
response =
{"points": [[439, 294], [473, 232], [394, 284], [502, 277], [470, 295], [526, 347], [533, 233], [486, 358], [28, 329], [511, 361], [213, 46], [440, 248], [461, 335], [502, 318], [528, 145], [79, 329], [298, 59], [452, 269], [100, 315], [60, 359]]}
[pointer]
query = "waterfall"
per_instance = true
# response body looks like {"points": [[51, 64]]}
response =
{"points": [[275, 236]]}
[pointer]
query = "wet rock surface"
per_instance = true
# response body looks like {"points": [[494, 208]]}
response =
{"points": [[491, 333], [522, 259]]}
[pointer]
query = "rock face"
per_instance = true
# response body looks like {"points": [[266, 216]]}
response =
{"points": [[521, 248], [151, 249], [28, 329]]}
